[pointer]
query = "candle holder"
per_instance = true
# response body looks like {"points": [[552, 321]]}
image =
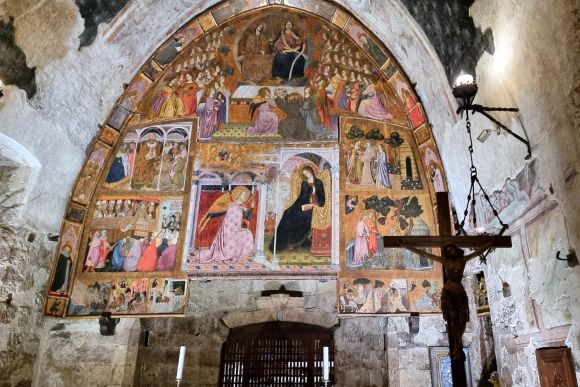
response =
{"points": [[178, 382]]}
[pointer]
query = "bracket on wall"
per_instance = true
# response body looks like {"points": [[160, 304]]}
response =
{"points": [[414, 323], [465, 90], [282, 290], [107, 324], [571, 258]]}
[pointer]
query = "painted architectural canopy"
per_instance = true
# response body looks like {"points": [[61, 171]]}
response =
{"points": [[259, 140]]}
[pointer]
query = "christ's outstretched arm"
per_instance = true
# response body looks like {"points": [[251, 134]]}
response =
{"points": [[422, 253]]}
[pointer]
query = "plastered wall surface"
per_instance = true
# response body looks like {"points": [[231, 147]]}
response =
{"points": [[534, 67]]}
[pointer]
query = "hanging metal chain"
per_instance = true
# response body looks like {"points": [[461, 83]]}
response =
{"points": [[471, 196]]}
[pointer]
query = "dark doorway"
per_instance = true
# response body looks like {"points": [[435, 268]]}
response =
{"points": [[409, 168], [275, 354]]}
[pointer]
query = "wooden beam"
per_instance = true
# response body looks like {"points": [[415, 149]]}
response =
{"points": [[443, 213], [440, 241]]}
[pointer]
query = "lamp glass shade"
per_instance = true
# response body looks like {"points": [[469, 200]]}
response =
{"points": [[464, 79]]}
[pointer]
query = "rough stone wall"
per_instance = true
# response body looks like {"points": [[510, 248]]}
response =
{"points": [[73, 353], [24, 262], [535, 68], [368, 351], [203, 332]]}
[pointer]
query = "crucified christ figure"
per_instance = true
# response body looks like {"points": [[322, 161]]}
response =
{"points": [[454, 303]]}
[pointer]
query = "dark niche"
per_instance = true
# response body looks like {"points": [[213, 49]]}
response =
{"points": [[13, 68], [95, 12], [452, 32]]}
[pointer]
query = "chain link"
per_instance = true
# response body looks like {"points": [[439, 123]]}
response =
{"points": [[471, 196]]}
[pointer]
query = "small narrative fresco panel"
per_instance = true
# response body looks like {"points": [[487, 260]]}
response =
{"points": [[389, 295], [66, 259], [364, 39], [262, 209], [129, 233], [383, 193], [403, 91], [89, 298], [135, 92], [55, 307], [273, 75], [377, 156], [87, 180], [129, 296], [151, 158], [433, 166], [167, 295]]}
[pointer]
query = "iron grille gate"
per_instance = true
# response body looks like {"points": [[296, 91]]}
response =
{"points": [[275, 354]]}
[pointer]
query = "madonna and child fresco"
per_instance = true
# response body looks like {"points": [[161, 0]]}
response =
{"points": [[272, 142], [278, 76]]}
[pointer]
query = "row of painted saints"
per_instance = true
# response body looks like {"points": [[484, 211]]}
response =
{"points": [[269, 81]]}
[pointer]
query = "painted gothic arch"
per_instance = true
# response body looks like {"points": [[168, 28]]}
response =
{"points": [[310, 102]]}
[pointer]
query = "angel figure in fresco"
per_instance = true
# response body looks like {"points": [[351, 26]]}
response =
{"points": [[289, 61], [233, 242], [265, 120], [374, 100], [147, 163], [307, 208], [257, 59]]}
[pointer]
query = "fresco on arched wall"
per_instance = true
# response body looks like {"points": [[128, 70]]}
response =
{"points": [[258, 140]]}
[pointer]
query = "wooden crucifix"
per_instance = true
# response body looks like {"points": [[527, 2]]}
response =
{"points": [[454, 303]]}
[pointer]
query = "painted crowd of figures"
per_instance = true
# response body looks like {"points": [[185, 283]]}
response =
{"points": [[197, 83], [156, 253], [142, 241], [362, 295], [328, 74]]}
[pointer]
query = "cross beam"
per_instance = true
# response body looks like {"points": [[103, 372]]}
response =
{"points": [[440, 241], [454, 331]]}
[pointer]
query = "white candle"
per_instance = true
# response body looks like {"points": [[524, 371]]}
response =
{"points": [[181, 362], [325, 364]]}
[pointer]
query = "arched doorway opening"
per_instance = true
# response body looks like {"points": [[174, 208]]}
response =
{"points": [[275, 354]]}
